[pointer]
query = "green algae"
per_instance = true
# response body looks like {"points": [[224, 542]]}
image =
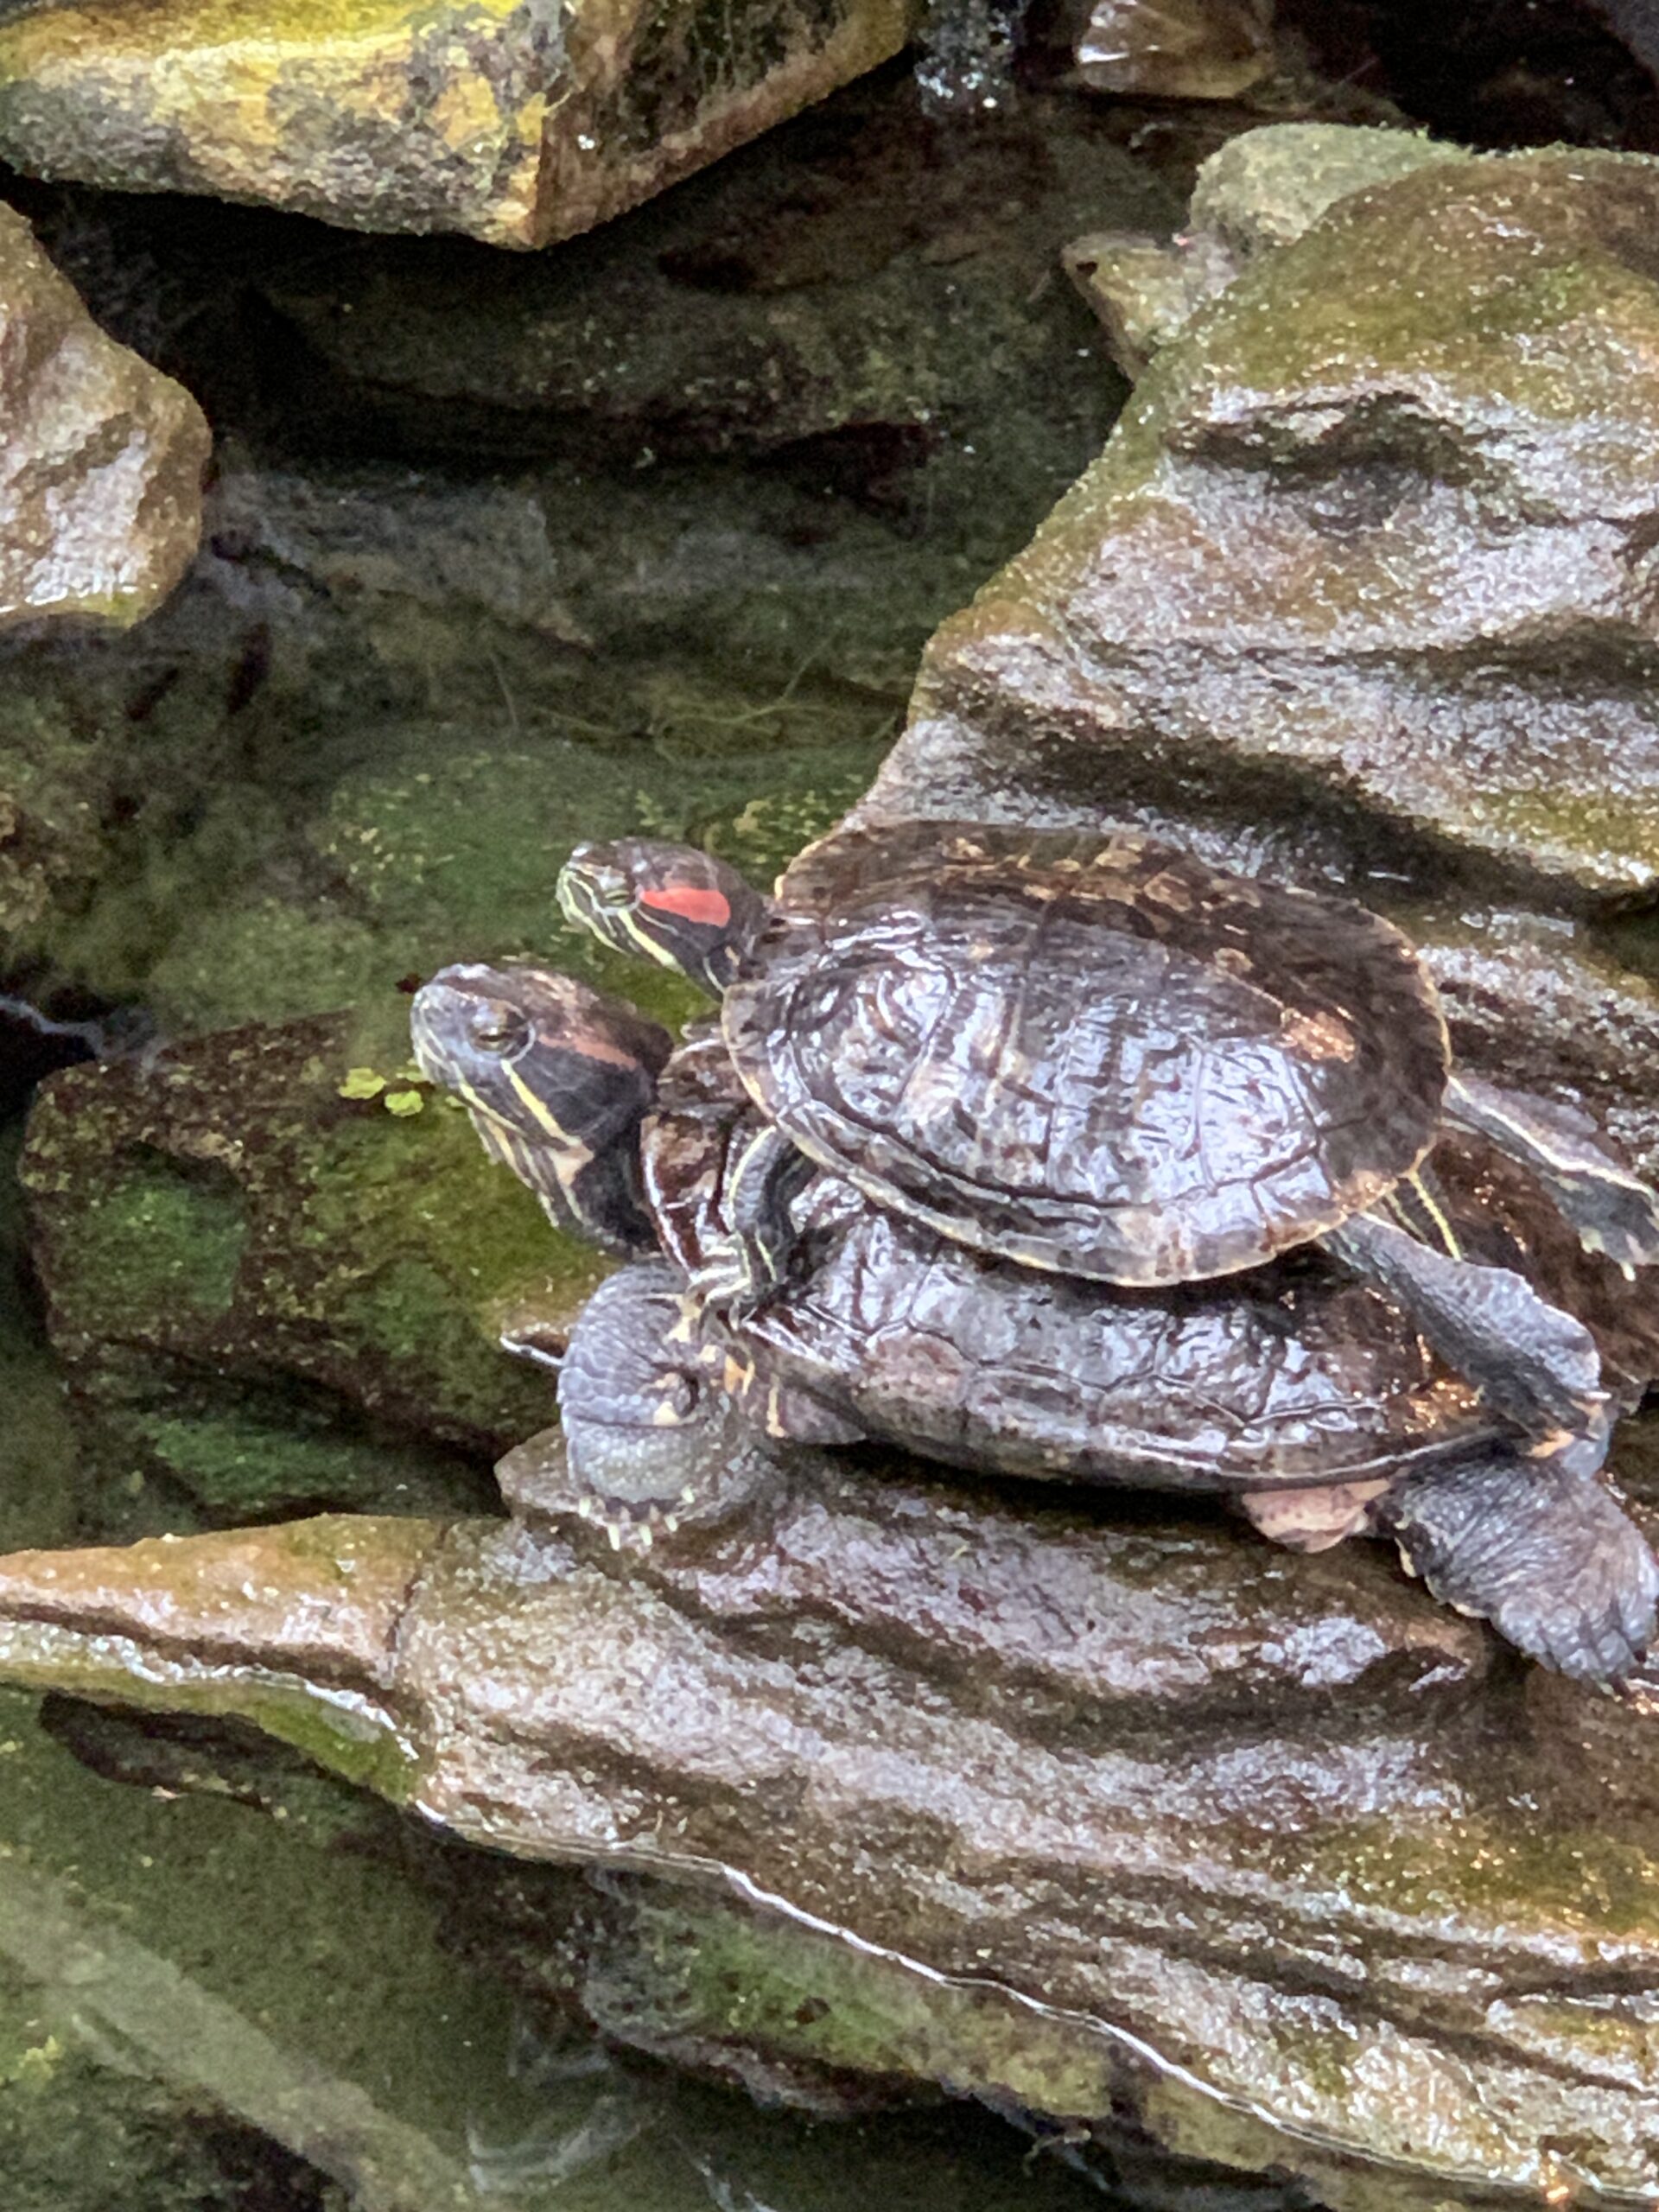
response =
{"points": [[279, 1297], [452, 855], [1505, 1871], [162, 1233], [248, 1463]]}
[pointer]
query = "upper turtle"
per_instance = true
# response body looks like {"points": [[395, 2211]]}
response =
{"points": [[1087, 1052]]}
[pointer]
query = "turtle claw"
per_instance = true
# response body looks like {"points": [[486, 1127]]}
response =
{"points": [[1590, 1632], [626, 1525], [1546, 1554]]}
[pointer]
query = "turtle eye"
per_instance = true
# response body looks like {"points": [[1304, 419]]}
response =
{"points": [[496, 1028]]}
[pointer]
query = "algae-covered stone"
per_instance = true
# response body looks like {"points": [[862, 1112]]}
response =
{"points": [[1374, 541], [518, 121], [378, 656], [102, 460], [1262, 188], [277, 1267], [1127, 1826]]}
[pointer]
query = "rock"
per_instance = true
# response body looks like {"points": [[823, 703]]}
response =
{"points": [[1549, 1008], [1370, 546], [1176, 49], [101, 466], [1128, 1825], [1260, 189], [1159, 655], [625, 624], [358, 734], [273, 1282], [859, 278], [515, 121]]}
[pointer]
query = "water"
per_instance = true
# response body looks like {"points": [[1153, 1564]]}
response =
{"points": [[502, 552]]}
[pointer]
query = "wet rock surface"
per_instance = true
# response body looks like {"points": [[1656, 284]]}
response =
{"points": [[867, 274], [468, 592], [1373, 530], [1116, 1837], [100, 473], [1126, 1814], [1260, 189], [515, 123]]}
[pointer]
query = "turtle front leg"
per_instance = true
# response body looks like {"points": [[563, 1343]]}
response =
{"points": [[1531, 1363], [1546, 1554], [654, 1439], [753, 1257], [1614, 1211]]}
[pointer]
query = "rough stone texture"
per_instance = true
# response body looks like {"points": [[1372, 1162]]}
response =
{"points": [[389, 688], [517, 121], [1374, 539], [1266, 1857], [1552, 1009], [862, 278], [1364, 562], [267, 1295], [1260, 189], [101, 464]]}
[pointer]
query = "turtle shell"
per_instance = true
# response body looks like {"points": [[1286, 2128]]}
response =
{"points": [[1289, 1376], [1089, 1053]]}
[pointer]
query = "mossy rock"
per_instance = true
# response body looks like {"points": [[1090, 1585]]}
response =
{"points": [[1371, 544], [514, 124], [277, 1282]]}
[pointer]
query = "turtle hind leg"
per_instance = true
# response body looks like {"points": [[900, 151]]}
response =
{"points": [[653, 1440], [1548, 1556], [1531, 1363], [1614, 1211]]}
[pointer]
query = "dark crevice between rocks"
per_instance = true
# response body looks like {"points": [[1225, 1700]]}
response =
{"points": [[57, 1029], [1494, 72]]}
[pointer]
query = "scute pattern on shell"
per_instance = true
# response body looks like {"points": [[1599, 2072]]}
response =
{"points": [[1291, 1375], [1093, 1054]]}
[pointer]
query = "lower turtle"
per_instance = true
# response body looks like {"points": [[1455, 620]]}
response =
{"points": [[1295, 1389], [1097, 1054]]}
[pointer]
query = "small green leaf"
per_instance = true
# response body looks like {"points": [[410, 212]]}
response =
{"points": [[403, 1102], [362, 1083]]}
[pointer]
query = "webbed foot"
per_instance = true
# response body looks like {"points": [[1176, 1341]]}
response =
{"points": [[1546, 1554], [653, 1441]]}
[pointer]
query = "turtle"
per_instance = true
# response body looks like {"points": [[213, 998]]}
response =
{"points": [[1293, 1387], [1095, 1053]]}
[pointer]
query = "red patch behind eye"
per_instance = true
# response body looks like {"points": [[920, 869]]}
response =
{"points": [[690, 904]]}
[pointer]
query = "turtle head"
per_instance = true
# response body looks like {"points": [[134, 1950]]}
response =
{"points": [[672, 903], [557, 1079]]}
